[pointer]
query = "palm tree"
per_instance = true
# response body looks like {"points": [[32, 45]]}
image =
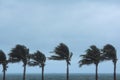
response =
{"points": [[110, 54], [20, 53], [92, 56], [62, 53], [3, 61], [38, 59]]}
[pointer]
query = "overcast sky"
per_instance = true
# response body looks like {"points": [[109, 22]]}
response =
{"points": [[43, 24]]}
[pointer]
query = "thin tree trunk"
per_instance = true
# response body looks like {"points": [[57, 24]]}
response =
{"points": [[67, 76], [96, 76], [114, 70], [4, 70], [42, 72], [24, 72]]}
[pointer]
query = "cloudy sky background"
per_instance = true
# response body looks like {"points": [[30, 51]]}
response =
{"points": [[42, 25]]}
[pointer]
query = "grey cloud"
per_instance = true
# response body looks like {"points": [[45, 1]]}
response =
{"points": [[43, 26]]}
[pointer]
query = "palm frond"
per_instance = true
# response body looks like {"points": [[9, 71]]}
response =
{"points": [[61, 53], [71, 54], [38, 58], [2, 56], [62, 50], [14, 60], [85, 62], [20, 52], [56, 58], [33, 63], [109, 52], [92, 56], [3, 60]]}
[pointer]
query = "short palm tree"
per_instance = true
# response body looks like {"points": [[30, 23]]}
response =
{"points": [[92, 56], [110, 54], [38, 59], [3, 61], [20, 53], [62, 53]]}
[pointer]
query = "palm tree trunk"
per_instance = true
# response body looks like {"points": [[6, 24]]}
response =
{"points": [[4, 67], [67, 76], [42, 73], [24, 72], [96, 76], [4, 74], [114, 70]]}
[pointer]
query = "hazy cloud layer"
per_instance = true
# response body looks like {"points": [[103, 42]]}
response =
{"points": [[44, 24]]}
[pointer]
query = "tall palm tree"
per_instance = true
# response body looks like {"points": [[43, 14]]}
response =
{"points": [[20, 53], [62, 53], [3, 61], [110, 54], [38, 59], [92, 56]]}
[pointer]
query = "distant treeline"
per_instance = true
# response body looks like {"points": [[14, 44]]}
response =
{"points": [[93, 55]]}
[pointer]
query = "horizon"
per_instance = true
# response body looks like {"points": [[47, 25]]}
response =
{"points": [[61, 73], [42, 25]]}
